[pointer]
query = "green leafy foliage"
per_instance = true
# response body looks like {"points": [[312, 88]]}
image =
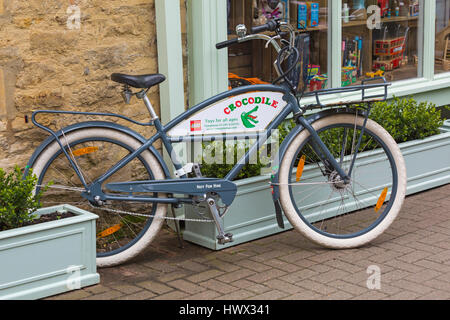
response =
{"points": [[17, 201], [406, 119], [222, 167]]}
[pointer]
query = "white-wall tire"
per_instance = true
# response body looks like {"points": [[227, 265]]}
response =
{"points": [[291, 212]]}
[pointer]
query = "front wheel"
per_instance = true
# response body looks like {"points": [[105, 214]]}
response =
{"points": [[120, 236], [325, 209]]}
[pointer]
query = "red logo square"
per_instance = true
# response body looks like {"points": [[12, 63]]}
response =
{"points": [[196, 125]]}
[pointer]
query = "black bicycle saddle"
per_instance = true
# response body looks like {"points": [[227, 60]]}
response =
{"points": [[142, 81]]}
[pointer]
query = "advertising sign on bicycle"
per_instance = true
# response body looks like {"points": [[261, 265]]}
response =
{"points": [[250, 112]]}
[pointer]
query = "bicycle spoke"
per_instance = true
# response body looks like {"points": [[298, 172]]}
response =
{"points": [[367, 144], [70, 153], [309, 194], [344, 146], [344, 212], [317, 162], [367, 190], [122, 219], [320, 213], [62, 175]]}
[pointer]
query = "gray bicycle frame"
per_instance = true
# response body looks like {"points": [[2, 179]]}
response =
{"points": [[292, 107]]}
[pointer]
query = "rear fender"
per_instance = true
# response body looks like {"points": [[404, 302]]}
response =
{"points": [[96, 124]]}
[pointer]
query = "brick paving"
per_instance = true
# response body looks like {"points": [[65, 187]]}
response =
{"points": [[413, 257]]}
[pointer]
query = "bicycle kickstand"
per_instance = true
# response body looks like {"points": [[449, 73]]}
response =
{"points": [[177, 227]]}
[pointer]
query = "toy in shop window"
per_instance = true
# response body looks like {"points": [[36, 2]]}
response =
{"points": [[313, 8], [313, 70], [352, 54], [302, 16], [318, 82], [384, 7], [265, 10], [443, 45], [391, 52], [285, 15], [348, 76], [359, 10], [414, 9], [235, 81], [307, 15], [378, 73]]}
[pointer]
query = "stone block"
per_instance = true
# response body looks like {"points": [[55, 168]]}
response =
{"points": [[54, 41]]}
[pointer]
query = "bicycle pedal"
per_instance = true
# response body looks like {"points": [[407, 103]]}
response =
{"points": [[225, 238]]}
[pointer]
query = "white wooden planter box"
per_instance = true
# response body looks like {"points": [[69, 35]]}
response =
{"points": [[252, 214], [50, 258]]}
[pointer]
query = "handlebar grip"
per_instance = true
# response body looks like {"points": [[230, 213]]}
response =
{"points": [[227, 43], [260, 29], [272, 25]]}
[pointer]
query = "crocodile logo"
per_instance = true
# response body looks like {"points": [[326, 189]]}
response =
{"points": [[248, 119]]}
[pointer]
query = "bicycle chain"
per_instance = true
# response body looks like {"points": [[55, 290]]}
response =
{"points": [[129, 212], [150, 215]]}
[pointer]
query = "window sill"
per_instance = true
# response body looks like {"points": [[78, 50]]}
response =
{"points": [[398, 89]]}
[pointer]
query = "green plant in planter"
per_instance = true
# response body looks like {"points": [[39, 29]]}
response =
{"points": [[406, 119], [17, 200], [216, 170], [220, 170]]}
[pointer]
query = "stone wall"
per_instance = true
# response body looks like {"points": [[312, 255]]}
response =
{"points": [[46, 62]]}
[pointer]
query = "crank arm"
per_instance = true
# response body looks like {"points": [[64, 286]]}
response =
{"points": [[222, 238]]}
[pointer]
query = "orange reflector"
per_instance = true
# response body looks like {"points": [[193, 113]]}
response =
{"points": [[300, 167], [109, 231], [381, 200], [84, 151]]}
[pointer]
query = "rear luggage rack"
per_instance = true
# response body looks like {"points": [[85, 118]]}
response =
{"points": [[363, 87]]}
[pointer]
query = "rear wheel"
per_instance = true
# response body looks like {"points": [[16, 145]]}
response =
{"points": [[120, 236], [328, 211]]}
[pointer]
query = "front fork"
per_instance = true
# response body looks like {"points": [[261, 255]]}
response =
{"points": [[323, 152], [331, 164], [325, 156]]}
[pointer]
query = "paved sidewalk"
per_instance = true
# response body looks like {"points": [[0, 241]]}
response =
{"points": [[413, 257]]}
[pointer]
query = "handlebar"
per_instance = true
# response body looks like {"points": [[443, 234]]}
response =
{"points": [[227, 43], [272, 25], [284, 48]]}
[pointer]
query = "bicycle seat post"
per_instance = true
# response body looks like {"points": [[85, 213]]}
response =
{"points": [[143, 95]]}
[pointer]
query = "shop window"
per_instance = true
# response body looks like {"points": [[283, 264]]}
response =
{"points": [[250, 62], [442, 61], [380, 37]]}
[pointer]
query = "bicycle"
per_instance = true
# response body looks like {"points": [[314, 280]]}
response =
{"points": [[118, 174]]}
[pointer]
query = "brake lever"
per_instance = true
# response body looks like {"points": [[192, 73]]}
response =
{"points": [[272, 40]]}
